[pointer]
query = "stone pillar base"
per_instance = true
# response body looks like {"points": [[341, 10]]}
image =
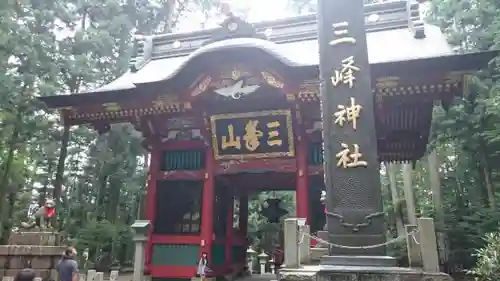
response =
{"points": [[373, 261], [355, 273], [323, 235], [197, 278]]}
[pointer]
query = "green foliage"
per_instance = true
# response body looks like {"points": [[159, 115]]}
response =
{"points": [[62, 47], [96, 235], [487, 267]]}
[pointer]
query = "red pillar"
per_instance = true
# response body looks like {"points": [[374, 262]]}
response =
{"points": [[244, 214], [243, 223], [207, 212], [153, 173], [229, 229], [302, 191]]}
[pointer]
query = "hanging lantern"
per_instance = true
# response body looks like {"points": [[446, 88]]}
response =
{"points": [[272, 210]]}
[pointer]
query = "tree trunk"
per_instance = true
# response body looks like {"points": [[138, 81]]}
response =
{"points": [[432, 160], [7, 223], [487, 179], [391, 171], [100, 211], [115, 185], [141, 207], [4, 181], [63, 153], [45, 187], [408, 192], [434, 178]]}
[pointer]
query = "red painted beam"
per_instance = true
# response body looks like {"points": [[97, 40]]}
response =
{"points": [[175, 239], [169, 271], [180, 145]]}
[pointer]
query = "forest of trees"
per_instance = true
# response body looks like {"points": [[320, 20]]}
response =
{"points": [[68, 46]]}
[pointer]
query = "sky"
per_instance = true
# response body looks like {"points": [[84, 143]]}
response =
{"points": [[261, 10], [255, 10], [252, 11]]}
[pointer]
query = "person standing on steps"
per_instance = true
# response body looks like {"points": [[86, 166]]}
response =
{"points": [[202, 266], [68, 267]]}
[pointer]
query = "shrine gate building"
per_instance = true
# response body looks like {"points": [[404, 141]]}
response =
{"points": [[229, 111]]}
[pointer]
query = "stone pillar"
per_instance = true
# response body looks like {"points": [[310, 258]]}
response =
{"points": [[408, 191], [428, 245], [113, 275], [291, 248], [414, 257], [434, 179], [141, 228], [305, 245], [263, 262], [352, 171], [250, 255], [139, 259], [91, 273], [81, 277], [99, 276], [391, 169]]}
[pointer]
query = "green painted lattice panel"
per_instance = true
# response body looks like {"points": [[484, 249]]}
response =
{"points": [[175, 254], [315, 154], [218, 254], [183, 160], [238, 253]]}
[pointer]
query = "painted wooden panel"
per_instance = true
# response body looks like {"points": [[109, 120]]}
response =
{"points": [[175, 254], [315, 154], [218, 254], [175, 160]]}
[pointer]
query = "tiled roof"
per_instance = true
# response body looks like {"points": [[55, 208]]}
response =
{"points": [[395, 33]]}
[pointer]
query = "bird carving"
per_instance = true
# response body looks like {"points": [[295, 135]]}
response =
{"points": [[237, 90]]}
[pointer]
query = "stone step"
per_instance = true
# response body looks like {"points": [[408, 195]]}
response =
{"points": [[368, 273], [31, 250], [20, 262], [259, 277], [42, 273], [41, 238], [317, 253]]}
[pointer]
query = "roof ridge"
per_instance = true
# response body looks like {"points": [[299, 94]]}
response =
{"points": [[389, 15]]}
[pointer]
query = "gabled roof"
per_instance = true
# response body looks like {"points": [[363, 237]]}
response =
{"points": [[395, 32]]}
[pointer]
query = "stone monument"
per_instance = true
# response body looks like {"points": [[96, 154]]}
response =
{"points": [[34, 248], [354, 211], [352, 177]]}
